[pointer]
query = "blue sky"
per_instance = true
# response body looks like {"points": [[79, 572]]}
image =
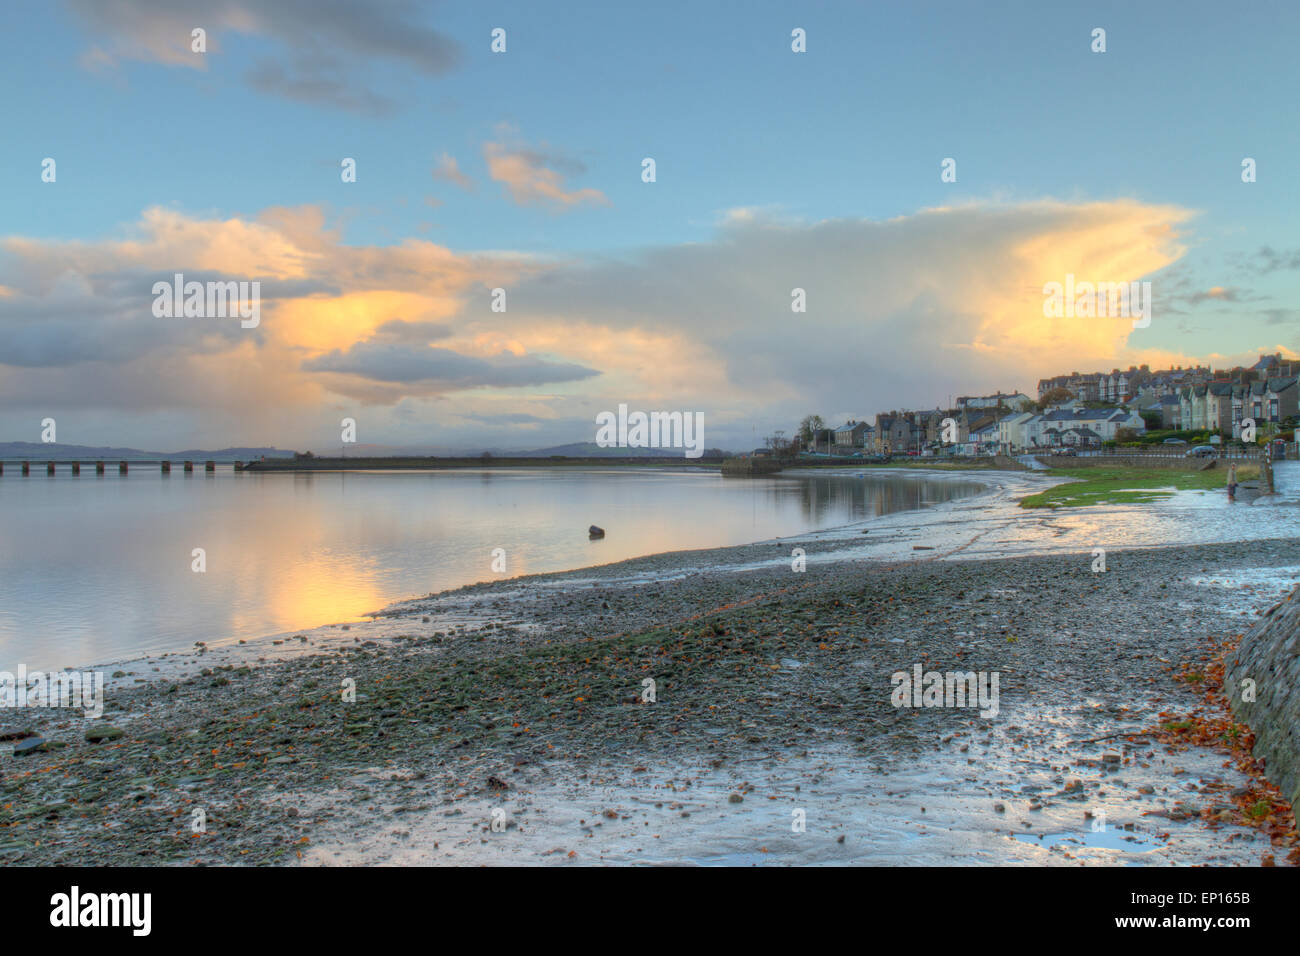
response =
{"points": [[854, 129]]}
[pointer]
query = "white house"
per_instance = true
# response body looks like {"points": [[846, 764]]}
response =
{"points": [[1011, 430], [1047, 429]]}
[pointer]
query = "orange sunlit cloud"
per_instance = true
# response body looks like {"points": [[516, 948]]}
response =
{"points": [[898, 311]]}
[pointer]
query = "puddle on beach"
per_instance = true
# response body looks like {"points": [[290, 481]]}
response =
{"points": [[1262, 580], [1107, 839]]}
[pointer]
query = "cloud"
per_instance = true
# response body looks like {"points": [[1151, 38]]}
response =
{"points": [[1281, 317], [448, 170], [320, 83], [1269, 260], [400, 330], [900, 313], [1218, 294], [74, 324], [509, 418], [529, 179], [77, 327], [440, 369], [328, 45]]}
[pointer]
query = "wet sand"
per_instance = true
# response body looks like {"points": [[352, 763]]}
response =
{"points": [[773, 696]]}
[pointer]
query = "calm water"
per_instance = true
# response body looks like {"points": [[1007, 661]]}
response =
{"points": [[99, 569]]}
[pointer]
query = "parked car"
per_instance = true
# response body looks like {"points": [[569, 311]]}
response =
{"points": [[1202, 451], [1279, 449], [1174, 441], [1067, 453]]}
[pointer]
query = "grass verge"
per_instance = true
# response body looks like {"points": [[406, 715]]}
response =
{"points": [[1104, 486]]}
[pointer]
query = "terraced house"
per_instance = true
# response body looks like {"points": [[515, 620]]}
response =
{"points": [[894, 433], [852, 436], [1222, 406]]}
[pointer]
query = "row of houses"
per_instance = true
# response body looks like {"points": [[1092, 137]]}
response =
{"points": [[1119, 386], [1099, 406], [1222, 406], [976, 430], [903, 432], [1145, 387]]}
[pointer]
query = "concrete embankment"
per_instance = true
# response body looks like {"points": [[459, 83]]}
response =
{"points": [[1266, 669]]}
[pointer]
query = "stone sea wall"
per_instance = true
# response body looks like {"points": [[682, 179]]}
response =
{"points": [[1269, 657]]}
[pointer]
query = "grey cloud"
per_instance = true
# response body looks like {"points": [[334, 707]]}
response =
{"points": [[77, 323], [318, 85], [413, 332], [329, 42], [517, 418], [444, 368], [1281, 316], [1269, 260]]}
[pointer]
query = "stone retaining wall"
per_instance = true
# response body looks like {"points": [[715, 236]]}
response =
{"points": [[1269, 656], [749, 467], [1130, 461], [1007, 463]]}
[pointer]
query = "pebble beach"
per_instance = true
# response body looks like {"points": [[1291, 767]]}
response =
{"points": [[719, 707]]}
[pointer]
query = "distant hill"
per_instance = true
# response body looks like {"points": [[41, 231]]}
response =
{"points": [[41, 451], [571, 450], [589, 449]]}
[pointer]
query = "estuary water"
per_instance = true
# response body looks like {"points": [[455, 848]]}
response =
{"points": [[96, 569]]}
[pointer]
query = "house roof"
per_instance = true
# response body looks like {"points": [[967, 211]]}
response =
{"points": [[1085, 415]]}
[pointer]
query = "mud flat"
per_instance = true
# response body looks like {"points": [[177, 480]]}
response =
{"points": [[524, 702]]}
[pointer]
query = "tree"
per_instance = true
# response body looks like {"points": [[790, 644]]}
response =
{"points": [[778, 443], [1055, 396], [809, 427]]}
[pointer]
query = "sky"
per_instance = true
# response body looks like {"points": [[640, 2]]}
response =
{"points": [[522, 170]]}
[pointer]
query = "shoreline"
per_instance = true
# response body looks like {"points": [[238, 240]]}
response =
{"points": [[761, 684], [894, 540], [677, 559], [522, 700]]}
